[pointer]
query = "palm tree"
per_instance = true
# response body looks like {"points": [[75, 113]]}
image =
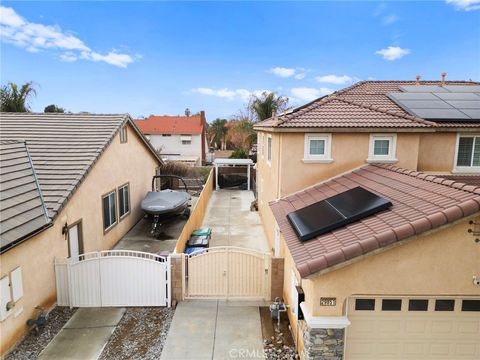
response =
{"points": [[15, 100], [267, 104], [217, 132]]}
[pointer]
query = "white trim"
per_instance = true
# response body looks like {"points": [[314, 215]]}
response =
{"points": [[392, 148], [324, 322], [464, 169], [269, 149], [326, 157]]}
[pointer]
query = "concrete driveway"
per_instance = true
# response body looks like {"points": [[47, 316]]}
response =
{"points": [[214, 329], [232, 222]]}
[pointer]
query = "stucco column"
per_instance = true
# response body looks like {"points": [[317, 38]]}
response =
{"points": [[248, 177], [216, 177]]}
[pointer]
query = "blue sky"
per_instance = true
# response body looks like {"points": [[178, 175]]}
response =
{"points": [[162, 57]]}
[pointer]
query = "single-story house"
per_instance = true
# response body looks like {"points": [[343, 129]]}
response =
{"points": [[403, 283], [179, 138], [70, 184]]}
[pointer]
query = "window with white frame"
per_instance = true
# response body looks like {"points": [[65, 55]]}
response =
{"points": [[382, 148], [269, 149], [123, 200], [109, 210], [468, 153], [186, 139], [318, 148]]}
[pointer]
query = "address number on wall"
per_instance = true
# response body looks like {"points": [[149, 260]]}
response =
{"points": [[328, 301]]}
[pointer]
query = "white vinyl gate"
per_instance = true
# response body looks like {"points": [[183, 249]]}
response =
{"points": [[228, 273], [113, 278]]}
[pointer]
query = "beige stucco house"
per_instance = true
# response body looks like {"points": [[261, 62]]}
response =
{"points": [[70, 184], [399, 284]]}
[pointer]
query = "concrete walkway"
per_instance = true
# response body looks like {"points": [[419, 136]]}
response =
{"points": [[215, 329], [232, 222], [84, 336]]}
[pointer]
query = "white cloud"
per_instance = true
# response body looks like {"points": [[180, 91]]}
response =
{"points": [[282, 71], [309, 94], [297, 73], [34, 37], [465, 5], [389, 19], [392, 53], [334, 79], [229, 94]]}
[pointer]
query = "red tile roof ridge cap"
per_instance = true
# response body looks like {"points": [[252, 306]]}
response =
{"points": [[432, 178], [389, 112]]}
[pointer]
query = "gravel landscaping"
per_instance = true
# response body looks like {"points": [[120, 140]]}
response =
{"points": [[34, 342], [140, 334], [278, 343]]}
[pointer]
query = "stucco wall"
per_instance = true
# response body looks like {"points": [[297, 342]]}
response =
{"points": [[119, 164], [173, 145], [437, 152], [439, 263]]}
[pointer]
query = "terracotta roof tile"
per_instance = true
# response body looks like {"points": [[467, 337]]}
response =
{"points": [[188, 125], [420, 203], [362, 105]]}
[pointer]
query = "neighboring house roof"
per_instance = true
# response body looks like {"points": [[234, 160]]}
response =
{"points": [[155, 125], [64, 148], [420, 202], [22, 210], [362, 105]]}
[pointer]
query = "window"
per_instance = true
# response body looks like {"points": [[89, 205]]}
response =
{"points": [[166, 134], [468, 153], [317, 148], [391, 304], [471, 305], [109, 210], [269, 149], [444, 305], [123, 135], [417, 305], [186, 139], [382, 148], [123, 200], [365, 304]]}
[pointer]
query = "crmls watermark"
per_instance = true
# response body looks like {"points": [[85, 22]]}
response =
{"points": [[242, 353]]}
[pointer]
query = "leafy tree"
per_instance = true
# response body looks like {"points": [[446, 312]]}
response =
{"points": [[53, 109], [241, 134], [268, 103], [239, 154], [187, 112], [14, 99], [217, 132]]}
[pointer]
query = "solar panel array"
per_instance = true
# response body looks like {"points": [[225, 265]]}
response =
{"points": [[335, 212], [440, 103]]}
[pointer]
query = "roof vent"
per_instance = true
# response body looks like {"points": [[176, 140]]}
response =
{"points": [[417, 82], [444, 74]]}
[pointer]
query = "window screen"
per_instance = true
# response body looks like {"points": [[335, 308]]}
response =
{"points": [[123, 200], [468, 153], [381, 147], [109, 211], [317, 147]]}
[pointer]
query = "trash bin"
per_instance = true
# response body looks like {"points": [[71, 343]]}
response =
{"points": [[197, 241]]}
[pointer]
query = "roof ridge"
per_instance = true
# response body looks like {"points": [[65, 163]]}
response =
{"points": [[430, 177], [389, 112], [317, 102]]}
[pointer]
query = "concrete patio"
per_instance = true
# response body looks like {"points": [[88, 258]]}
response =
{"points": [[232, 222]]}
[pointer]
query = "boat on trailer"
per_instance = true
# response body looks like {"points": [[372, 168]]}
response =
{"points": [[166, 204]]}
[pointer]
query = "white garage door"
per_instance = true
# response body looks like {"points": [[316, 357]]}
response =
{"points": [[413, 328]]}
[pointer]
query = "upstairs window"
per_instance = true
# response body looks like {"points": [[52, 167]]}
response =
{"points": [[468, 153], [109, 210], [382, 148], [123, 135], [123, 200], [317, 148], [186, 139], [166, 134]]}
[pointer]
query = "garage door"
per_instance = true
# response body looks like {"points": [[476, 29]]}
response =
{"points": [[413, 328]]}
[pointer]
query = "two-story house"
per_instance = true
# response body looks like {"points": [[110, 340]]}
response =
{"points": [[399, 283], [179, 138]]}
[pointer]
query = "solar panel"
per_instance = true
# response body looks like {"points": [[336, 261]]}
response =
{"points": [[335, 212], [423, 88], [440, 114], [457, 96], [462, 88], [464, 104], [426, 104]]}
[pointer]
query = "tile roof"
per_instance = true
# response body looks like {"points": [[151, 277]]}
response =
{"points": [[63, 148], [467, 179], [362, 105], [191, 125], [22, 210], [420, 202]]}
